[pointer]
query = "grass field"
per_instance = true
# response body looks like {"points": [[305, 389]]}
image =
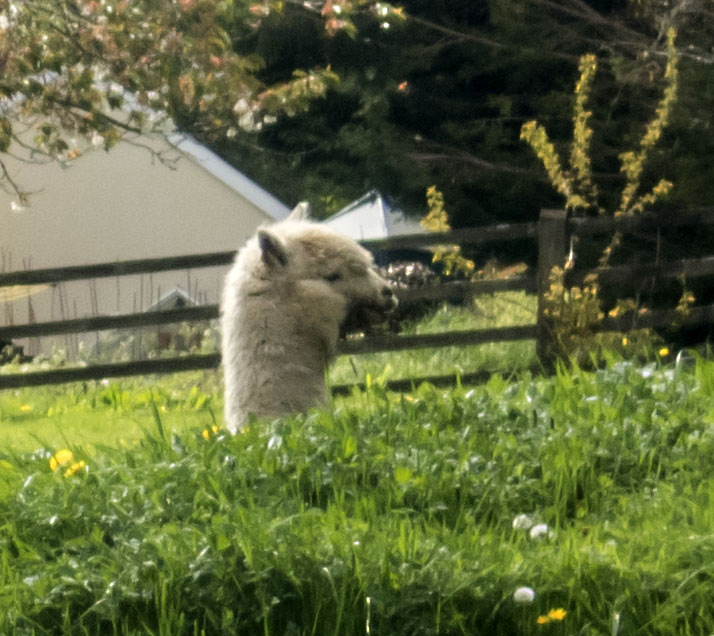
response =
{"points": [[578, 504]]}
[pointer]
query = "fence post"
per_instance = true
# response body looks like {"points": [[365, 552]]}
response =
{"points": [[552, 246]]}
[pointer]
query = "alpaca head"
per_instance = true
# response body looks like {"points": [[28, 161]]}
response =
{"points": [[332, 272], [286, 297]]}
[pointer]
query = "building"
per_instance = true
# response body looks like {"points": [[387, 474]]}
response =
{"points": [[372, 217], [145, 198]]}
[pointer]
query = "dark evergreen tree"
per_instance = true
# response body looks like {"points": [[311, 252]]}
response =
{"points": [[440, 99]]}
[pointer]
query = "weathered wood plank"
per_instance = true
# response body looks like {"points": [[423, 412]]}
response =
{"points": [[407, 384], [100, 323], [390, 342], [445, 291], [585, 226], [211, 361], [118, 268], [472, 236], [463, 236], [464, 289], [685, 267], [113, 370], [477, 235], [658, 319], [552, 245]]}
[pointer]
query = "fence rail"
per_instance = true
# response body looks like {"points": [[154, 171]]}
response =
{"points": [[468, 236], [447, 291], [585, 226], [684, 267], [551, 232], [101, 323]]}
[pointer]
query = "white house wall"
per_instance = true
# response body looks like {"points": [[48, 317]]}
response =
{"points": [[120, 205]]}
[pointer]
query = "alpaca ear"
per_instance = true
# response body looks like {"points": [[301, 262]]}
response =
{"points": [[273, 251], [301, 212]]}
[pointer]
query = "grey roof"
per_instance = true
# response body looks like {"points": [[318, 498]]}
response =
{"points": [[176, 298], [371, 217], [225, 172]]}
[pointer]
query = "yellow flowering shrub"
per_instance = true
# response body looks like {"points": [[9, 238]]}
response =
{"points": [[575, 312], [575, 183], [575, 316], [437, 220]]}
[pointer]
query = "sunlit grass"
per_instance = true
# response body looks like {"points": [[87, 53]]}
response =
{"points": [[506, 309], [422, 513], [113, 412]]}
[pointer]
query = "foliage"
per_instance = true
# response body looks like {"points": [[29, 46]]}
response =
{"points": [[633, 161], [576, 183], [440, 97], [574, 315], [433, 93], [437, 220], [78, 74], [473, 511]]}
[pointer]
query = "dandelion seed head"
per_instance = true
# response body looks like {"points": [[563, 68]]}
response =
{"points": [[522, 522], [540, 531], [524, 595]]}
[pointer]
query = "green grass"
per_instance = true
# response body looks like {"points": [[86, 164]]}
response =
{"points": [[389, 515], [106, 413], [113, 413], [505, 309]]}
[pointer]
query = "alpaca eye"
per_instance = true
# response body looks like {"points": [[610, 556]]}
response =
{"points": [[331, 278]]}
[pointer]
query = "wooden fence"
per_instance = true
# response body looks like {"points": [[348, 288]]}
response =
{"points": [[552, 234]]}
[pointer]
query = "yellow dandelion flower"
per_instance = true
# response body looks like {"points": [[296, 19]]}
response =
{"points": [[542, 620], [25, 408], [664, 352], [557, 614], [625, 341], [75, 468], [207, 432], [61, 458]]}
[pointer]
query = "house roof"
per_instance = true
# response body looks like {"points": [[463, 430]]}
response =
{"points": [[174, 299], [371, 217], [230, 176]]}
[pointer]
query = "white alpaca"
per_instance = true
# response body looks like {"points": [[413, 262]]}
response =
{"points": [[290, 289]]}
